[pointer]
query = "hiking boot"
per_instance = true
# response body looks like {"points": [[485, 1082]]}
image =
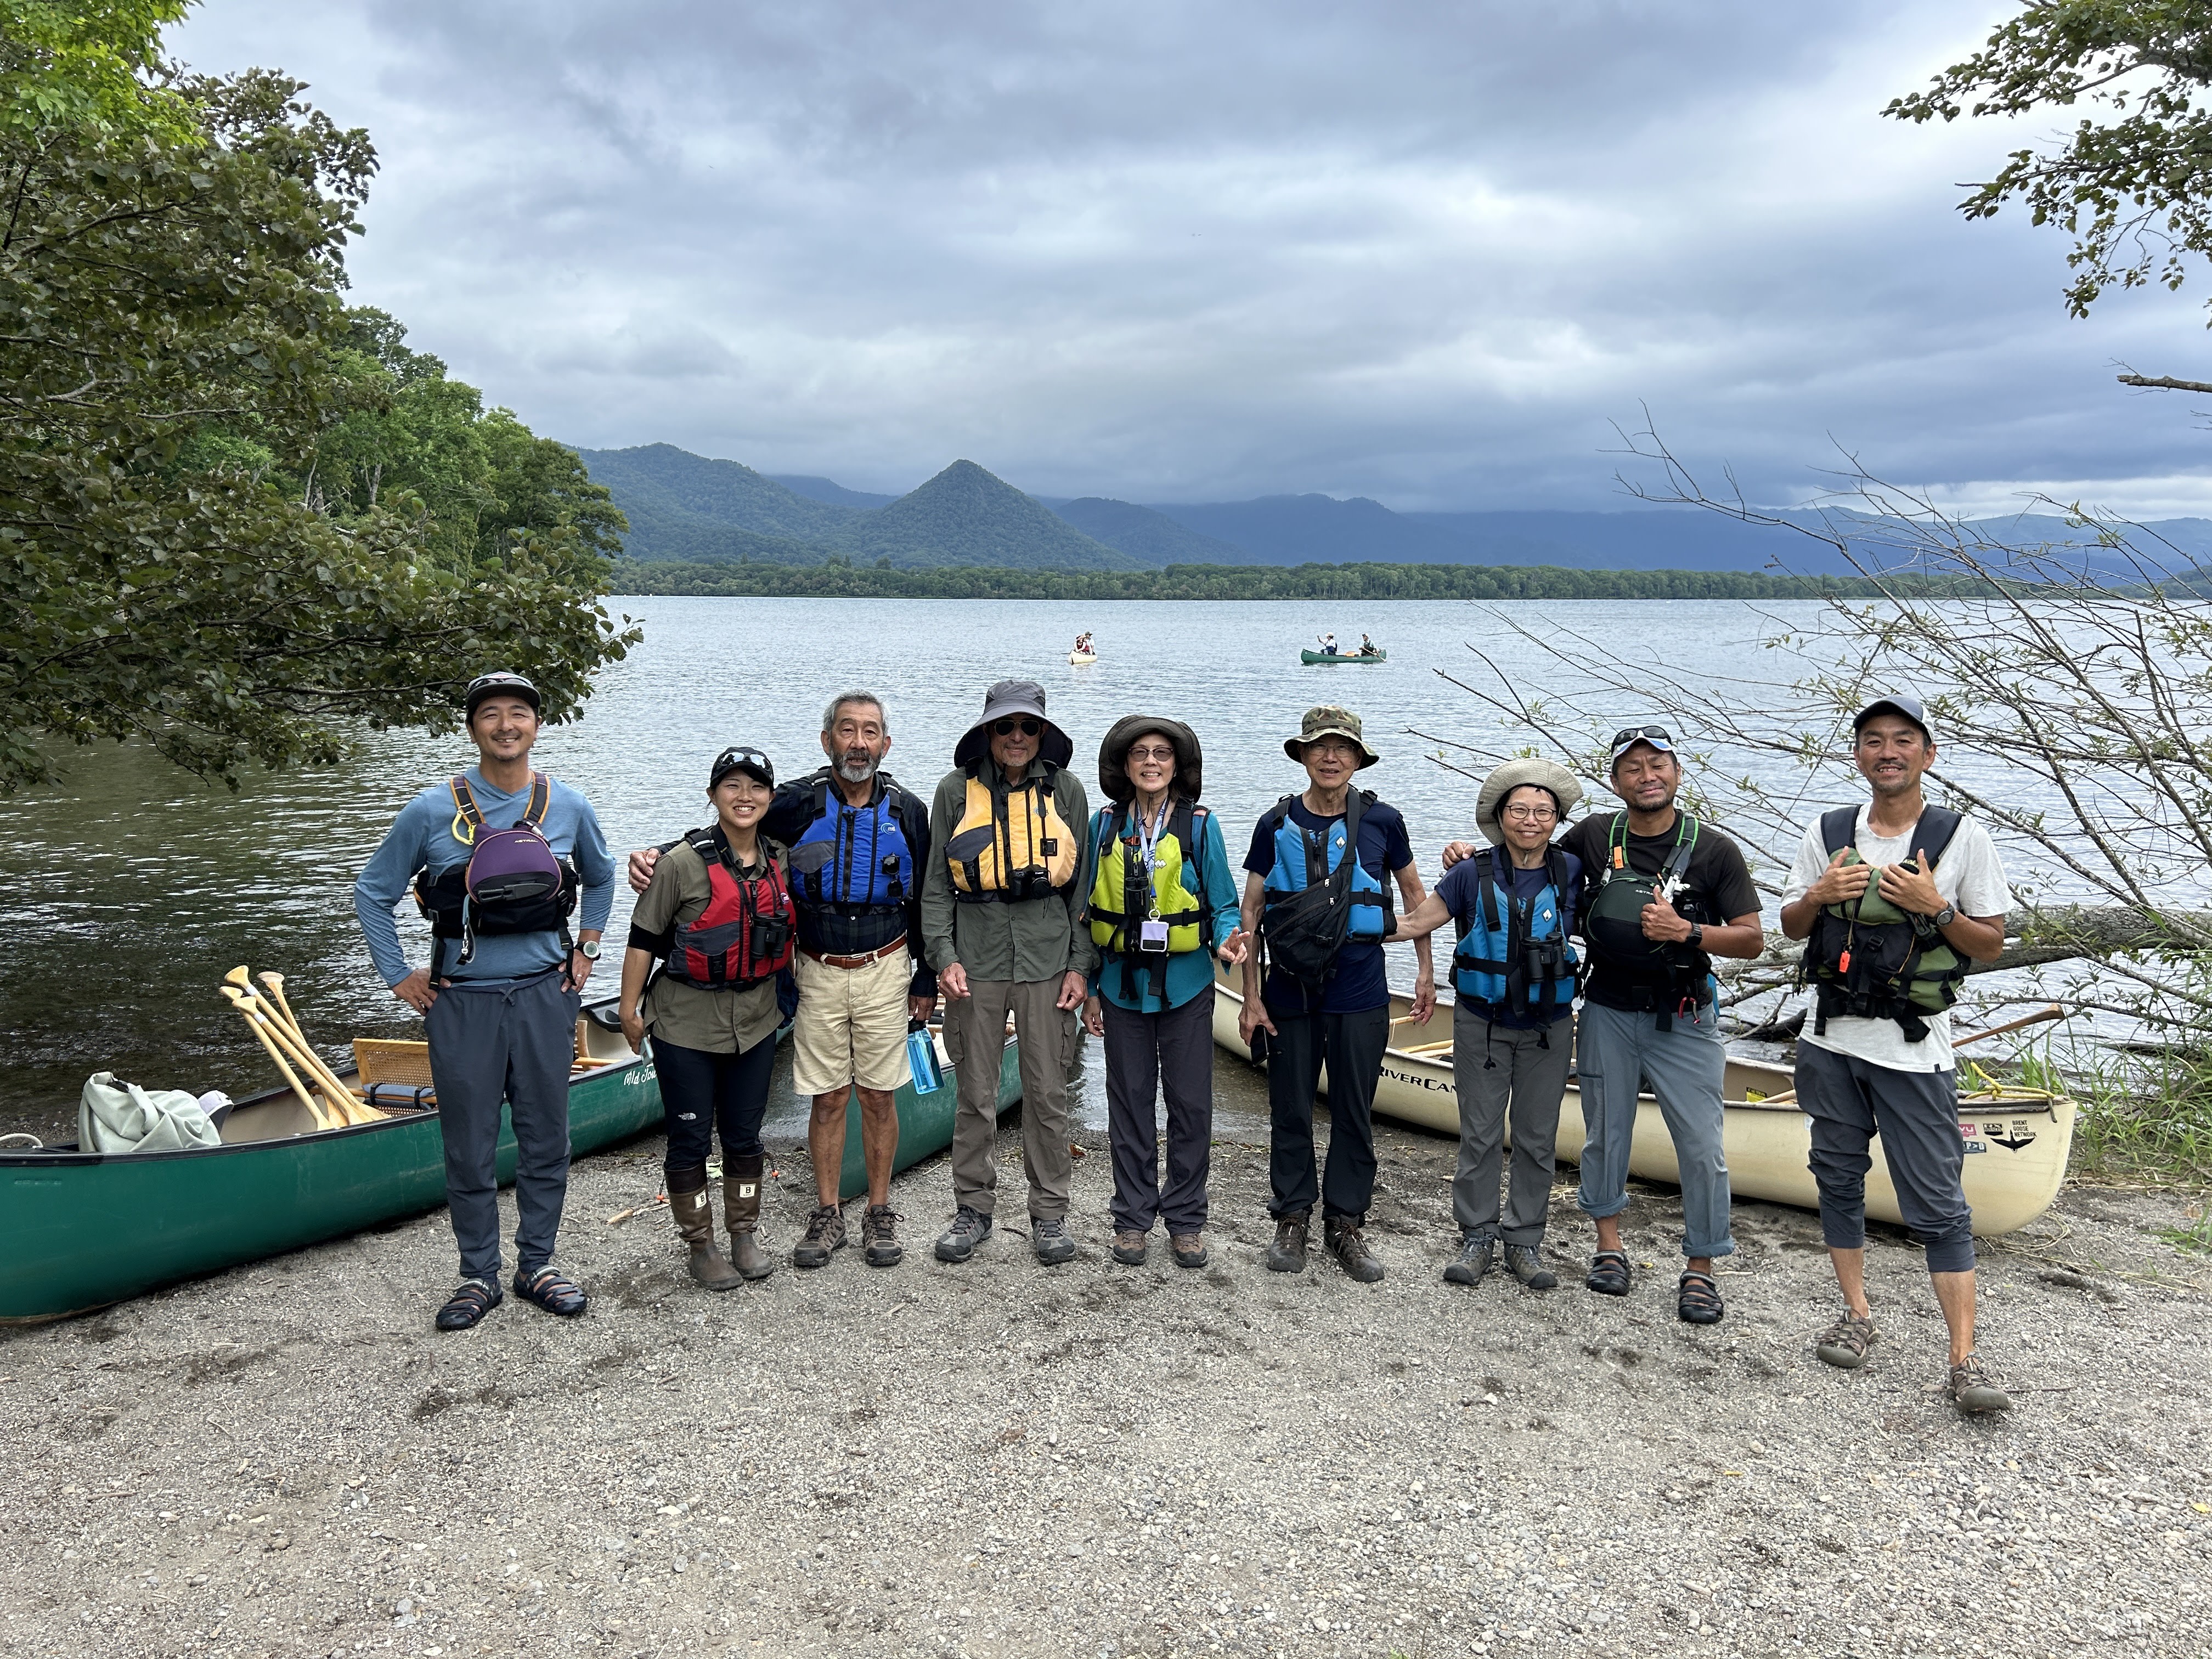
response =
{"points": [[1351, 1251], [1050, 1242], [1189, 1249], [694, 1215], [1845, 1343], [1287, 1255], [1128, 1249], [825, 1235], [958, 1242], [741, 1204], [879, 1245], [1974, 1390], [1526, 1263], [1472, 1262]]}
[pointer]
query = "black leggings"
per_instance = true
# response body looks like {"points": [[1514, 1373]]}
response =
{"points": [[699, 1090]]}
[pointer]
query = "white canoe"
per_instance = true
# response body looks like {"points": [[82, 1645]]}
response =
{"points": [[1079, 658], [2017, 1140]]}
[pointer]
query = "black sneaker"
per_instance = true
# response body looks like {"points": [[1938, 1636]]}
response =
{"points": [[958, 1242], [1050, 1241], [1472, 1261], [825, 1235]]}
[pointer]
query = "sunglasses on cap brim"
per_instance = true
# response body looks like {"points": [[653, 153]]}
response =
{"points": [[1029, 728], [731, 758], [1630, 736]]}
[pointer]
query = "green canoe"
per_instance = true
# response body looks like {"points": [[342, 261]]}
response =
{"points": [[1327, 656], [80, 1230]]}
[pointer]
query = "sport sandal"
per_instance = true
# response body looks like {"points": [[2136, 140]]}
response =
{"points": [[470, 1301], [1697, 1299], [551, 1290], [1845, 1343], [1609, 1273]]}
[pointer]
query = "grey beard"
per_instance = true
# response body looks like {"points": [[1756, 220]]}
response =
{"points": [[854, 771]]}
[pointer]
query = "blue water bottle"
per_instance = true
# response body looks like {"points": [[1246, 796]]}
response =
{"points": [[921, 1058]]}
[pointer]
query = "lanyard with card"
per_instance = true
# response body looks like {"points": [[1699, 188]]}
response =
{"points": [[1151, 932]]}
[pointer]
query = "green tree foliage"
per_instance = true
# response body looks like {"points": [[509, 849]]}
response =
{"points": [[78, 64], [2134, 191], [173, 355], [1201, 581]]}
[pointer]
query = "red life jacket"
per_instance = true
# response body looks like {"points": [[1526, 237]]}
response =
{"points": [[744, 935]]}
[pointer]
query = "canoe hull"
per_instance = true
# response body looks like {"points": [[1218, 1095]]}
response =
{"points": [[2017, 1143], [1310, 658], [1079, 658]]}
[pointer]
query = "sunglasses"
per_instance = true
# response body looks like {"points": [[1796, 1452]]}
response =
{"points": [[498, 683], [1029, 728], [1637, 733], [740, 757]]}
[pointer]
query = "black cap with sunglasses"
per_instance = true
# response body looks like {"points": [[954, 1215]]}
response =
{"points": [[485, 687], [742, 757], [1008, 707]]}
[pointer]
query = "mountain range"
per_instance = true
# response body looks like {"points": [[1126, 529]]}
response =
{"points": [[686, 508]]}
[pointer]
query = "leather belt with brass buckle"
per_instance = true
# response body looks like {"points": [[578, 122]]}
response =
{"points": [[876, 955]]}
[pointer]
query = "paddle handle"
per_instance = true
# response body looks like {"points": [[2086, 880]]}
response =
{"points": [[350, 1109], [2040, 1017], [314, 1107], [338, 1096]]}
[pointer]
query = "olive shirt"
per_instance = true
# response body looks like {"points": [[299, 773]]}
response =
{"points": [[683, 1016], [1036, 940]]}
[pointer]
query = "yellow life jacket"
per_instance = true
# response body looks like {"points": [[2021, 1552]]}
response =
{"points": [[1013, 845], [1127, 893]]}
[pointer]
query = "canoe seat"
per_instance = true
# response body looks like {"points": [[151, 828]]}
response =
{"points": [[389, 1059]]}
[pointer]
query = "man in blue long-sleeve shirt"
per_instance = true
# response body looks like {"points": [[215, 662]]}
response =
{"points": [[500, 1007]]}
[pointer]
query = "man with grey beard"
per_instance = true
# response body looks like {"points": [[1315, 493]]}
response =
{"points": [[859, 844]]}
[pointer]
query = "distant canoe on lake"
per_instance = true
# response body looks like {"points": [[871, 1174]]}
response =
{"points": [[1310, 657]]}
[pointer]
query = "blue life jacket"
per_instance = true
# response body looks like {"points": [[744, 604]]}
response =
{"points": [[1514, 956], [1307, 858], [854, 869]]}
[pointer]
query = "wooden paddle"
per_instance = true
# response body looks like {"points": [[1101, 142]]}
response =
{"points": [[357, 1110], [336, 1096], [315, 1108], [2041, 1015]]}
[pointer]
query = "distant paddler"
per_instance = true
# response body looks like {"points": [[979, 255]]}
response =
{"points": [[1328, 643], [497, 857], [1163, 906], [1513, 984], [1368, 647]]}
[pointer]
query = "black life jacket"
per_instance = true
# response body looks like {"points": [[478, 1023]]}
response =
{"points": [[1658, 976], [744, 936], [535, 893], [1871, 960]]}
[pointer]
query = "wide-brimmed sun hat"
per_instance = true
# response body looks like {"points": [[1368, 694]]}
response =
{"points": [[1329, 721], [1544, 774], [1114, 755], [1012, 698]]}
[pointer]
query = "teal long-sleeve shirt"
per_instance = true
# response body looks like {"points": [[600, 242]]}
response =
{"points": [[1191, 972], [422, 838]]}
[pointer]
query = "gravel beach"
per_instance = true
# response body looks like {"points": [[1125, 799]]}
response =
{"points": [[1003, 1459]]}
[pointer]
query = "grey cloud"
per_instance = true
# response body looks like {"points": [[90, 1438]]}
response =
{"points": [[1161, 252]]}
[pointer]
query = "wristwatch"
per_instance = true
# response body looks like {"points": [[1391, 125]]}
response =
{"points": [[1943, 918], [1697, 936], [589, 949]]}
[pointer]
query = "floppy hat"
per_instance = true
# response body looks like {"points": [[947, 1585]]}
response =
{"points": [[1560, 783], [1114, 755], [742, 757], [1013, 697], [1329, 721], [1896, 702]]}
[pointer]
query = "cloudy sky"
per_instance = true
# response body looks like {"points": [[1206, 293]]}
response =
{"points": [[1423, 252]]}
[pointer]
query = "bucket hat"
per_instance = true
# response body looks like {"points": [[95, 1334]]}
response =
{"points": [[1114, 755], [1329, 721], [1013, 697], [1514, 774]]}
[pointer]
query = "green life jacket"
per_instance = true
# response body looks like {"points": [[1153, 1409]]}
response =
{"points": [[1870, 959], [1664, 978]]}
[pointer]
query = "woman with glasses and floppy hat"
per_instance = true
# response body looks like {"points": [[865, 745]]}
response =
{"points": [[1513, 979], [713, 930], [1000, 904], [497, 858]]}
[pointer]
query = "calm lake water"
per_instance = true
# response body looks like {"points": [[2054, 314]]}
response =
{"points": [[131, 888]]}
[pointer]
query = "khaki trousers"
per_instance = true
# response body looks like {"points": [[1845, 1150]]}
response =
{"points": [[975, 1027]]}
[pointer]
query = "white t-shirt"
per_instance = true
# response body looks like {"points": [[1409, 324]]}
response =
{"points": [[1968, 877]]}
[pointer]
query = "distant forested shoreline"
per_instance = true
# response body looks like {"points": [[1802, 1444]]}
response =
{"points": [[1211, 581]]}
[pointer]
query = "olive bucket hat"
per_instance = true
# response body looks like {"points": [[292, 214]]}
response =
{"points": [[1555, 779], [1327, 720], [1114, 755]]}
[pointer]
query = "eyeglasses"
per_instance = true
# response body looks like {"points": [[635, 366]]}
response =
{"points": [[1159, 754], [1637, 733], [1528, 814], [1029, 728]]}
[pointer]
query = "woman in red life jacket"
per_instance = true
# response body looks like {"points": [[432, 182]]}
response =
{"points": [[713, 931]]}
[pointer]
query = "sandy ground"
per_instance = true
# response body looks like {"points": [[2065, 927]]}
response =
{"points": [[1003, 1459]]}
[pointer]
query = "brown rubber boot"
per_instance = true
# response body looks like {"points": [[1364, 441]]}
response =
{"points": [[741, 1206], [693, 1212]]}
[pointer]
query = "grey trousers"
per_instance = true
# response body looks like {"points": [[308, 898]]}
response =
{"points": [[975, 1028], [1495, 1069], [1616, 1050], [1147, 1056], [509, 1043], [1849, 1101]]}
